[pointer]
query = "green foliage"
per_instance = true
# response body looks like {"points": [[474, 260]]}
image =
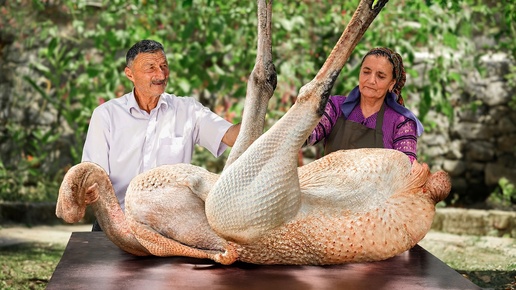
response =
{"points": [[211, 48], [504, 195]]}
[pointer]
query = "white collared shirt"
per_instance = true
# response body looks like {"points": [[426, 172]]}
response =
{"points": [[126, 140]]}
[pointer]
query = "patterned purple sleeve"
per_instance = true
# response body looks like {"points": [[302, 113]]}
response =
{"points": [[405, 138], [325, 125]]}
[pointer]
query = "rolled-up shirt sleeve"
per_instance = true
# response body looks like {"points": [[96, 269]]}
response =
{"points": [[211, 129]]}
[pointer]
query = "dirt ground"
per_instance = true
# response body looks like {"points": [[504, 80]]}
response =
{"points": [[60, 234]]}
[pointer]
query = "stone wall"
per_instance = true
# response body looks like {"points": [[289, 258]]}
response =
{"points": [[475, 222], [478, 146]]}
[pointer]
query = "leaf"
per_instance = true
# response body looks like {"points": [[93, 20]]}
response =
{"points": [[455, 76], [51, 47], [450, 40], [36, 87]]}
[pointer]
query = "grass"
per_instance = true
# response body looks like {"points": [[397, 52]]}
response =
{"points": [[496, 279], [28, 265]]}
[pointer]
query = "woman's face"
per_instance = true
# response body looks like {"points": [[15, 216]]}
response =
{"points": [[375, 77]]}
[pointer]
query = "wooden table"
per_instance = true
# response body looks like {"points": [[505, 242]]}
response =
{"points": [[92, 261]]}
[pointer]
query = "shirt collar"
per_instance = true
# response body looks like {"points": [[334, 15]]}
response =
{"points": [[133, 107]]}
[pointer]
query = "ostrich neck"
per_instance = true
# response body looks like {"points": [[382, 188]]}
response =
{"points": [[107, 210], [112, 219]]}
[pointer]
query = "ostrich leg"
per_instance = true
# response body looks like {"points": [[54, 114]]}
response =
{"points": [[260, 86], [261, 190]]}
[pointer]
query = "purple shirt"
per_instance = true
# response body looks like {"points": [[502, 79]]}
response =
{"points": [[399, 132]]}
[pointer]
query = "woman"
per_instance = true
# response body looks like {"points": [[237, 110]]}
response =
{"points": [[372, 115]]}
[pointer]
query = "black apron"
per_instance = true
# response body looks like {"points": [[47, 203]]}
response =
{"points": [[351, 135]]}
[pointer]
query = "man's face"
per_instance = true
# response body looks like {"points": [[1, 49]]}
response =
{"points": [[149, 73]]}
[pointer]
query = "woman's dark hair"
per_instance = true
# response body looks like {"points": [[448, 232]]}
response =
{"points": [[398, 71], [149, 46]]}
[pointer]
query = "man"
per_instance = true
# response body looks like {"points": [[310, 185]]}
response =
{"points": [[147, 127]]}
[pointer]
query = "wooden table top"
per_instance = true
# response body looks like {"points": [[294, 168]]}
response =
{"points": [[92, 261]]}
